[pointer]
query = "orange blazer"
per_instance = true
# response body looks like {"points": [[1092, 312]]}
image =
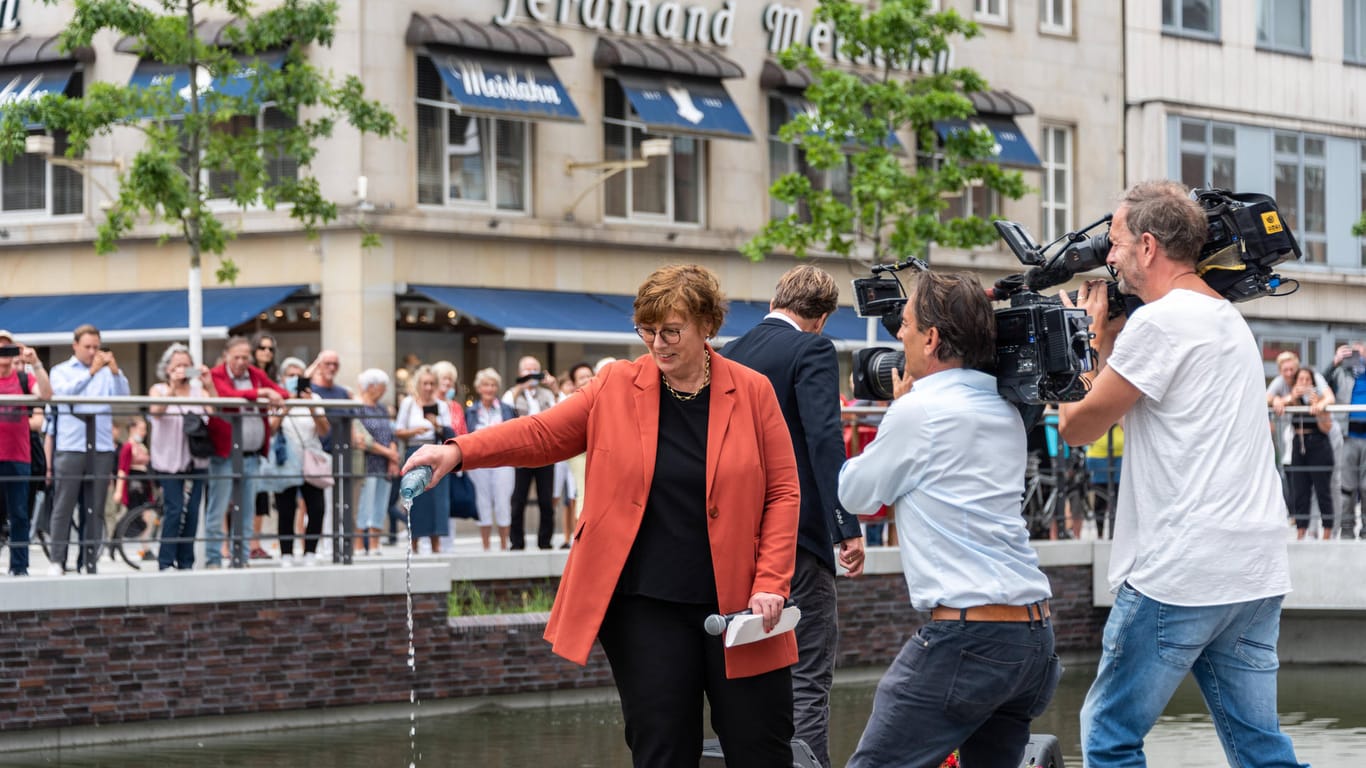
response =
{"points": [[752, 507]]}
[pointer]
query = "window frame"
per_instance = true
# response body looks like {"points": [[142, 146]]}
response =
{"points": [[224, 202], [1207, 149], [1275, 46], [1047, 194], [1049, 26], [488, 127], [981, 11], [46, 212], [795, 161], [631, 123], [1179, 28], [1353, 49], [1302, 161]]}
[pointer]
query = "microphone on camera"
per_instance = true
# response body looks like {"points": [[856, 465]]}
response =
{"points": [[716, 623]]}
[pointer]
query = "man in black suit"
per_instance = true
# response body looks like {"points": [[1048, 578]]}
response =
{"points": [[787, 348]]}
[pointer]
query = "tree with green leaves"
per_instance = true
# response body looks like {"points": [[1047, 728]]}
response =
{"points": [[235, 111], [895, 200]]}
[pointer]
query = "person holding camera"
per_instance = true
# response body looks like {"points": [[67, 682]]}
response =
{"points": [[1199, 563], [1348, 380], [528, 397], [21, 373], [81, 471], [950, 455]]}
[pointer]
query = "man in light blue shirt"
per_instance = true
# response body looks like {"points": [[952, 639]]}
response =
{"points": [[80, 465], [951, 456]]}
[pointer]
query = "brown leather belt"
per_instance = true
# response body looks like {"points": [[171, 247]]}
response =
{"points": [[1024, 613]]}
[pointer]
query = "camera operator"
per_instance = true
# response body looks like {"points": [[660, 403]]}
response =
{"points": [[1199, 560], [950, 455]]}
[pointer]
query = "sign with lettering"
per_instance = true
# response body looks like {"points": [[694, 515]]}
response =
{"points": [[492, 84], [32, 84]]}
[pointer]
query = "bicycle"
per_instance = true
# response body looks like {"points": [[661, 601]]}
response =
{"points": [[1069, 483], [140, 526]]}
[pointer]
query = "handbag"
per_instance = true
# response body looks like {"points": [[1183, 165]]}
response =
{"points": [[197, 435], [275, 473], [317, 465], [462, 496]]}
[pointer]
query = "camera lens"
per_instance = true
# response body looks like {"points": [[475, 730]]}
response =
{"points": [[1087, 254], [873, 372]]}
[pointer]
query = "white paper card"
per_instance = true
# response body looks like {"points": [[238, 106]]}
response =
{"points": [[750, 628]]}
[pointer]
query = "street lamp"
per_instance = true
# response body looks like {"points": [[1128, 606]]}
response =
{"points": [[648, 148]]}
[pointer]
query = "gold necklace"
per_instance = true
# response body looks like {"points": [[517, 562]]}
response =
{"points": [[706, 379]]}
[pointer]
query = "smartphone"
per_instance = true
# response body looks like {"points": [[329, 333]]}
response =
{"points": [[11, 351], [431, 410], [105, 349], [301, 387]]}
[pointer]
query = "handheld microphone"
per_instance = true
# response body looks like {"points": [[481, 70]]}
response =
{"points": [[716, 623]]}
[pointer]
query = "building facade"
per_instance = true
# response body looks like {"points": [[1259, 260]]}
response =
{"points": [[1267, 97], [499, 234]]}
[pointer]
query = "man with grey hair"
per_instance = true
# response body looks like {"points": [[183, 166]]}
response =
{"points": [[82, 467], [788, 348], [528, 397], [1199, 564]]}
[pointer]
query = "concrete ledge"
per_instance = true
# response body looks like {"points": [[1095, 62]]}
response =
{"points": [[1324, 576], [226, 586]]}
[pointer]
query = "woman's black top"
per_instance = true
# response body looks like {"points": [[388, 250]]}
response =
{"points": [[670, 558], [1305, 421]]}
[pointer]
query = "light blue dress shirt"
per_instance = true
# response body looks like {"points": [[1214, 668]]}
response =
{"points": [[951, 456], [73, 378]]}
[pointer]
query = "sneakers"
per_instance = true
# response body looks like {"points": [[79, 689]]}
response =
{"points": [[286, 561], [55, 569], [147, 556], [310, 558], [259, 554]]}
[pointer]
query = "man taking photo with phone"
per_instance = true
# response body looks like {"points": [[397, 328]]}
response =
{"points": [[1347, 377]]}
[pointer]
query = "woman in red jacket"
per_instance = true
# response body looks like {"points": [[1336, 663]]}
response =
{"points": [[692, 510]]}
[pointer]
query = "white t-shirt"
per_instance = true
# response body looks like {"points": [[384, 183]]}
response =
{"points": [[1200, 519]]}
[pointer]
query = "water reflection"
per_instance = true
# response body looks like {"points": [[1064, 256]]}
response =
{"points": [[1325, 713]]}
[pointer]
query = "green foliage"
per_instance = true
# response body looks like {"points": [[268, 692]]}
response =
{"points": [[465, 599], [895, 202], [211, 131]]}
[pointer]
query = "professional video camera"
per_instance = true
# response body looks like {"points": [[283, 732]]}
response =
{"points": [[1042, 347]]}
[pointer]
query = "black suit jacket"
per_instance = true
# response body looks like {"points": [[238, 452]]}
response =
{"points": [[805, 374]]}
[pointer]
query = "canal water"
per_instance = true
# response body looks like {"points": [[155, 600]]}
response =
{"points": [[1323, 709]]}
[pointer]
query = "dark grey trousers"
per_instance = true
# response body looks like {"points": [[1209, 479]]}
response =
{"points": [[70, 477], [813, 590]]}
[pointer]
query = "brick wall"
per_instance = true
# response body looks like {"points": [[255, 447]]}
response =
{"points": [[113, 665]]}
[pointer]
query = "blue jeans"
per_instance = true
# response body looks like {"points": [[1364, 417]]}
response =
{"points": [[971, 686], [16, 505], [220, 494], [179, 520], [1147, 649]]}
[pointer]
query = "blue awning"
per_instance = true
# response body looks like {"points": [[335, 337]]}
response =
{"points": [[485, 83], [134, 316], [797, 105], [694, 106], [238, 84], [1012, 148], [18, 85], [601, 318]]}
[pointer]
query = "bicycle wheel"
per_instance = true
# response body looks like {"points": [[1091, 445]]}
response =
{"points": [[133, 526]]}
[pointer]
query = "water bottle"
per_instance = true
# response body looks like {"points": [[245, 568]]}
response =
{"points": [[414, 482]]}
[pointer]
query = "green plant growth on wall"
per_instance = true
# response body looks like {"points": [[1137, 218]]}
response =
{"points": [[466, 599]]}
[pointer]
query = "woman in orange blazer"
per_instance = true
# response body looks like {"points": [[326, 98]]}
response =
{"points": [[692, 510]]}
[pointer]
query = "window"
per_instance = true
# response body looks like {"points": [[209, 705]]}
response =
{"points": [[1198, 18], [29, 184], [991, 11], [279, 166], [1055, 17], [974, 200], [467, 160], [669, 189], [1057, 181], [784, 158], [1301, 191], [1354, 31], [1283, 25], [1208, 154]]}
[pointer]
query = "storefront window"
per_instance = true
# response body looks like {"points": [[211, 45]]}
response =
{"points": [[467, 160], [670, 188]]}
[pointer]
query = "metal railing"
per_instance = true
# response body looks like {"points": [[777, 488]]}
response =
{"points": [[340, 412]]}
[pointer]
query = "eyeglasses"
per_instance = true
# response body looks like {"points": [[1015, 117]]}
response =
{"points": [[265, 348], [670, 335]]}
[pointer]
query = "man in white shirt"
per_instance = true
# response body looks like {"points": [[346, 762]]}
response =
{"points": [[82, 468], [950, 454], [528, 397], [1199, 562]]}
